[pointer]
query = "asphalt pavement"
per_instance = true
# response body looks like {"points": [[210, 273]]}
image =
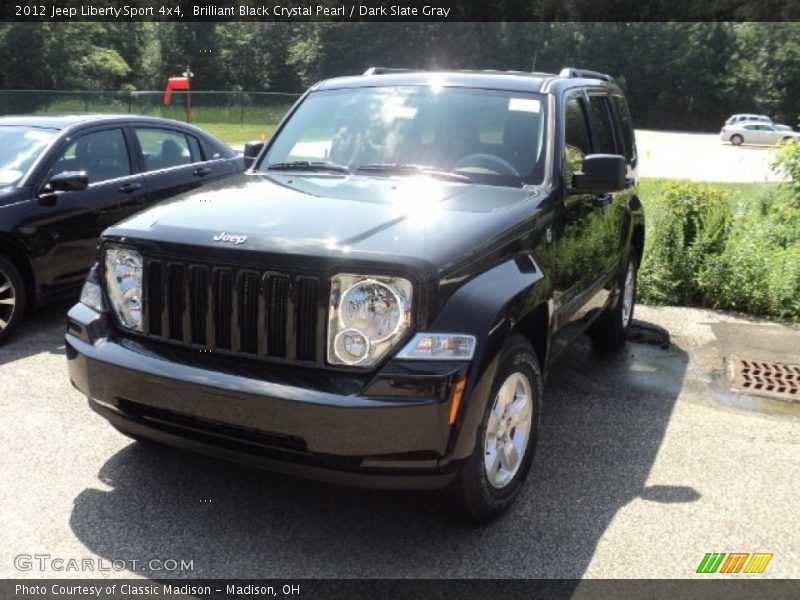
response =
{"points": [[646, 462], [702, 157]]}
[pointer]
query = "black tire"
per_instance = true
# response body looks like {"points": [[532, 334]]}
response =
{"points": [[471, 496], [737, 140], [610, 331], [13, 298]]}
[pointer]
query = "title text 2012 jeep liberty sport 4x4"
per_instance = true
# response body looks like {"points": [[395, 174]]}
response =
{"points": [[377, 299]]}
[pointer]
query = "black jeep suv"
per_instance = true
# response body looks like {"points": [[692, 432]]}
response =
{"points": [[377, 300]]}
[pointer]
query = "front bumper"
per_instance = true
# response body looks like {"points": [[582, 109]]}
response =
{"points": [[392, 433]]}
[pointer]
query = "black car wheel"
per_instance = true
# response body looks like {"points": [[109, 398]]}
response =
{"points": [[490, 480], [610, 331], [737, 140], [12, 298]]}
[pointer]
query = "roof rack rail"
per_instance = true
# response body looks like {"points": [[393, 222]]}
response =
{"points": [[386, 70], [585, 73]]}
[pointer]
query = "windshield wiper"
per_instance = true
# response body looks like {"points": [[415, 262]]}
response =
{"points": [[411, 169], [307, 165]]}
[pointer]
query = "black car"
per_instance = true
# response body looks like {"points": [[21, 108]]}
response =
{"points": [[378, 299], [64, 179]]}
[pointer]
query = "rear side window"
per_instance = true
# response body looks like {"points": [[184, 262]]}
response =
{"points": [[576, 137], [194, 147], [162, 148], [627, 128], [603, 125]]}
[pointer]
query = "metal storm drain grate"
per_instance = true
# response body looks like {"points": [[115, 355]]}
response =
{"points": [[767, 378]]}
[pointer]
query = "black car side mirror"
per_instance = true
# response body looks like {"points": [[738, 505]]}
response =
{"points": [[602, 173], [68, 181], [251, 152]]}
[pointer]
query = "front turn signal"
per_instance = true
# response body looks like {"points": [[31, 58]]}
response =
{"points": [[455, 398]]}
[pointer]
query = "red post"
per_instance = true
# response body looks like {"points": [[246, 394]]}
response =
{"points": [[188, 94]]}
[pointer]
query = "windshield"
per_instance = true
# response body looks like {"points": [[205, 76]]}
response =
{"points": [[486, 136], [19, 147]]}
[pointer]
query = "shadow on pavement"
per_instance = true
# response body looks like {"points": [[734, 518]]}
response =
{"points": [[41, 331], [603, 423]]}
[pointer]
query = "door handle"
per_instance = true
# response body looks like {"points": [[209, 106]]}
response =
{"points": [[202, 171], [602, 200], [127, 188]]}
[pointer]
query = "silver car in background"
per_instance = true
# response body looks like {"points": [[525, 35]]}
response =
{"points": [[742, 118], [755, 133]]}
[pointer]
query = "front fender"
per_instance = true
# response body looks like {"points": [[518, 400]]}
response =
{"points": [[488, 307]]}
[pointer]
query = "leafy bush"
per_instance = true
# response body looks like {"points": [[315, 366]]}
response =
{"points": [[685, 224], [787, 162], [699, 253]]}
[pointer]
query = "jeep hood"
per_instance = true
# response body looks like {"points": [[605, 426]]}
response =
{"points": [[428, 225]]}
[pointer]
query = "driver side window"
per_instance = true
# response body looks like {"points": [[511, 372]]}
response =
{"points": [[102, 154], [576, 138]]}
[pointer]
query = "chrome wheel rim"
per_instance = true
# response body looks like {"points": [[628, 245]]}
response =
{"points": [[627, 295], [8, 300], [508, 430]]}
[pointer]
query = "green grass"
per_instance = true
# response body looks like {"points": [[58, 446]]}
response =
{"points": [[234, 133], [738, 195]]}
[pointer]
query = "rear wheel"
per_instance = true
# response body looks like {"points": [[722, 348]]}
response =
{"points": [[737, 140], [12, 298], [610, 332], [490, 480]]}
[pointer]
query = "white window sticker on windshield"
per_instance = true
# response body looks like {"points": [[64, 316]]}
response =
{"points": [[524, 104]]}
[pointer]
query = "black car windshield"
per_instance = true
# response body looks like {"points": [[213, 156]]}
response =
{"points": [[19, 147], [486, 136]]}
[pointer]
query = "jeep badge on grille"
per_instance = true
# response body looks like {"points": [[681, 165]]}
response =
{"points": [[230, 238]]}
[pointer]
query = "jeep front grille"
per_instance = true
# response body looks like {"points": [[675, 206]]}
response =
{"points": [[235, 310]]}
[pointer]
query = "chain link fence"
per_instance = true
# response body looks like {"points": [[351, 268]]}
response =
{"points": [[235, 108]]}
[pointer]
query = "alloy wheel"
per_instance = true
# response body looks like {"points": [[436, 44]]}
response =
{"points": [[8, 300], [508, 430]]}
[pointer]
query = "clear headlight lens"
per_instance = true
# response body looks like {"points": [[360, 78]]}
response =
{"points": [[92, 293], [368, 316], [92, 296], [123, 274]]}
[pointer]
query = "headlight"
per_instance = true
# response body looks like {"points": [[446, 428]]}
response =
{"points": [[368, 316], [123, 274], [92, 293]]}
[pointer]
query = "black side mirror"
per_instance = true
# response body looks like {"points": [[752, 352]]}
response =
{"points": [[602, 173], [251, 152], [68, 181]]}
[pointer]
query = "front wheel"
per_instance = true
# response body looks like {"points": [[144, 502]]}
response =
{"points": [[490, 480], [737, 140], [610, 332], [12, 298]]}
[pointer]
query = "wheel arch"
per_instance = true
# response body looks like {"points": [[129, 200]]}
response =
{"points": [[14, 252], [637, 242], [512, 297]]}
